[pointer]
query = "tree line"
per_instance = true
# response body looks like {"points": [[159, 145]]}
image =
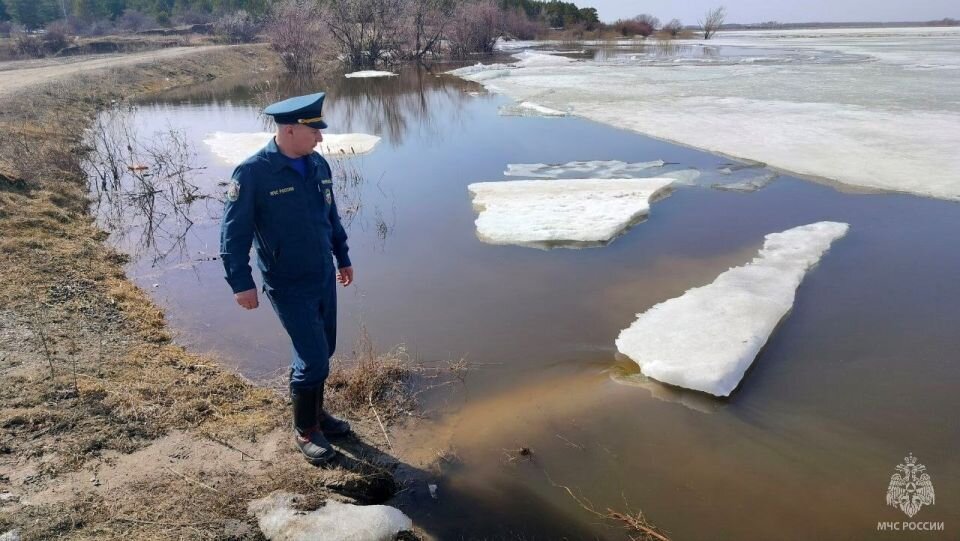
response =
{"points": [[36, 14]]}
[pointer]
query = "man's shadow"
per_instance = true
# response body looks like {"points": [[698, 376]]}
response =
{"points": [[503, 509]]}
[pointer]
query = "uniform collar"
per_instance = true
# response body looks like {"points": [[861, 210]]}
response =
{"points": [[278, 160]]}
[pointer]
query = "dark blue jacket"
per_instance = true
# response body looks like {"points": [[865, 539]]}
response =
{"points": [[291, 219]]}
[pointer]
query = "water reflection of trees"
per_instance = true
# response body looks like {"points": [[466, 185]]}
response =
{"points": [[386, 106], [142, 186]]}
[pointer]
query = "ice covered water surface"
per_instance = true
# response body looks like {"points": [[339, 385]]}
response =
{"points": [[706, 338], [582, 169], [874, 108], [565, 212], [233, 148]]}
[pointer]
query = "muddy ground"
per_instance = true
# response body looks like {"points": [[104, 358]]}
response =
{"points": [[108, 429]]}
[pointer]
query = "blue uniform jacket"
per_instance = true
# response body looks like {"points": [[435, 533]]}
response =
{"points": [[291, 219]]}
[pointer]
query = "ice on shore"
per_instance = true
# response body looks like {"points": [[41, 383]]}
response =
{"points": [[233, 148], [529, 108], [366, 74], [706, 338], [335, 521], [871, 108], [582, 169], [565, 212]]}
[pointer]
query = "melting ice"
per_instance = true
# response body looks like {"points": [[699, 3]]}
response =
{"points": [[564, 212], [582, 169], [706, 338], [875, 108], [233, 148]]}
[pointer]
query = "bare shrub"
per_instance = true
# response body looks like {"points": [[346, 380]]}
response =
{"points": [[236, 27], [712, 21], [632, 27], [6, 28], [673, 27], [28, 45], [56, 37], [135, 21], [295, 32], [367, 31], [476, 28]]}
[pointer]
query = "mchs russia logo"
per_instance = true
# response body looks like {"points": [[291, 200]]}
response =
{"points": [[910, 489]]}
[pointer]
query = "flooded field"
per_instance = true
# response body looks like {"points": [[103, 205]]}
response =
{"points": [[862, 372]]}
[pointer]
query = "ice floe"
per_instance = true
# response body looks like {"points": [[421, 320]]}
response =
{"points": [[564, 212], [751, 184], [335, 521], [233, 148], [848, 106], [582, 169], [706, 338], [366, 74], [529, 108]]}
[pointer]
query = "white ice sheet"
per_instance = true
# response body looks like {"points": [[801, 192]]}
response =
{"points": [[233, 148], [565, 212], [706, 338], [874, 108]]}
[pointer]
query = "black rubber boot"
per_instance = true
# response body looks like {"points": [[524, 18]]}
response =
{"points": [[330, 425], [309, 438]]}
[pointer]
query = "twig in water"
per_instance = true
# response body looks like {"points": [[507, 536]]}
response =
{"points": [[383, 428], [571, 444], [634, 523]]}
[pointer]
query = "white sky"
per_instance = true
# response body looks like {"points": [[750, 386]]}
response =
{"points": [[752, 11]]}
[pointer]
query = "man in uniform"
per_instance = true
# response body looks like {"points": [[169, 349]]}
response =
{"points": [[280, 200]]}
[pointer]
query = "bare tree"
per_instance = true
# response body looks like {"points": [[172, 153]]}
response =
{"points": [[712, 21], [427, 21], [367, 31], [295, 31], [646, 18]]}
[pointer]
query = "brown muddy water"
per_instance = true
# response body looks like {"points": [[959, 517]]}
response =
{"points": [[861, 373]]}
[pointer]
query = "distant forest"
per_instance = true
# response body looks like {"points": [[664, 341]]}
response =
{"points": [[33, 14]]}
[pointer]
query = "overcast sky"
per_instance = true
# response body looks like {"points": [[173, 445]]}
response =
{"points": [[752, 11]]}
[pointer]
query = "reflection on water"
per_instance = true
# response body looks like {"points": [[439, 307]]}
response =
{"points": [[861, 372]]}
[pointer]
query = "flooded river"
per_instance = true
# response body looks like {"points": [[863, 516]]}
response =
{"points": [[862, 372]]}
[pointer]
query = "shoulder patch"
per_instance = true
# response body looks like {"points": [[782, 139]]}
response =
{"points": [[233, 190]]}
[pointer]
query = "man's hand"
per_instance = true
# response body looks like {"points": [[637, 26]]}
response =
{"points": [[247, 299], [345, 276]]}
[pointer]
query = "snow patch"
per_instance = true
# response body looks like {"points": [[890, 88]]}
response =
{"points": [[334, 521], [233, 148], [582, 169], [567, 212], [706, 338], [366, 74]]}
